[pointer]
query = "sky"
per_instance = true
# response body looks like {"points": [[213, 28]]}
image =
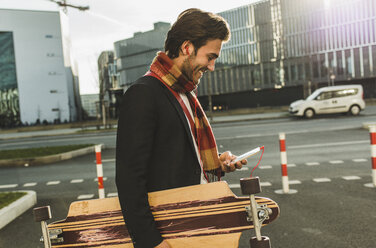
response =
{"points": [[109, 21]]}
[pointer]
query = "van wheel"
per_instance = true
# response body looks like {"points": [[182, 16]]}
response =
{"points": [[354, 110], [309, 113]]}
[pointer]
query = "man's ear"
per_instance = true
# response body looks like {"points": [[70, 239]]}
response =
{"points": [[186, 48]]}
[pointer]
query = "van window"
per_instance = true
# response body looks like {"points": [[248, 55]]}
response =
{"points": [[324, 95], [345, 92]]}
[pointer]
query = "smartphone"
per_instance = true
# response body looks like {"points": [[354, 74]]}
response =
{"points": [[247, 154]]}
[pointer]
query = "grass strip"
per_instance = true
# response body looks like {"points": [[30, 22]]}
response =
{"points": [[39, 151], [7, 198]]}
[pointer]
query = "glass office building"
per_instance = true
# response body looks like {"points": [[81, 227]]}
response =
{"points": [[9, 100], [288, 43]]}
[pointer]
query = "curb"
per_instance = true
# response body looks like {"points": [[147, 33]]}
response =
{"points": [[47, 159], [15, 209]]}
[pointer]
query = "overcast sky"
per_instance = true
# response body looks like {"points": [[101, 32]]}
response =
{"points": [[108, 21]]}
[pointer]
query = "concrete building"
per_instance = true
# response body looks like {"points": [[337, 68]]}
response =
{"points": [[135, 54], [37, 82], [281, 49]]}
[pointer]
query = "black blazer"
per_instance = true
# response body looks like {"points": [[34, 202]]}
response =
{"points": [[154, 151]]}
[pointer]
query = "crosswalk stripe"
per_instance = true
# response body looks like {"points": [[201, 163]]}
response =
{"points": [[349, 178], [265, 184], [359, 160], [322, 180], [29, 184], [77, 181], [53, 183], [7, 186], [87, 196], [295, 182], [312, 163], [336, 162], [265, 167]]}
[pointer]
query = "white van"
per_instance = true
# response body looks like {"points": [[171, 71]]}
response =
{"points": [[332, 99]]}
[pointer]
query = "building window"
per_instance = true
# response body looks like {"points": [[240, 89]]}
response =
{"points": [[348, 61], [373, 50], [323, 66], [53, 91], [300, 72], [366, 64], [48, 36], [315, 67], [340, 68]]}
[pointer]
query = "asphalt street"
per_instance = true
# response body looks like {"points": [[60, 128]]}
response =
{"points": [[328, 164]]}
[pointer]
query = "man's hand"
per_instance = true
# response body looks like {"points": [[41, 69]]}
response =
{"points": [[227, 163], [164, 244]]}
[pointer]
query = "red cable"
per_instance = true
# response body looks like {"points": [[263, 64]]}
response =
{"points": [[261, 148]]}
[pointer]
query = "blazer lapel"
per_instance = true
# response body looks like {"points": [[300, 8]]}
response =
{"points": [[180, 112]]}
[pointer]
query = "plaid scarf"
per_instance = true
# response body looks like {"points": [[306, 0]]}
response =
{"points": [[172, 77]]}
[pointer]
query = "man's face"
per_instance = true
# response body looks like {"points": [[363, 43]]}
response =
{"points": [[196, 64]]}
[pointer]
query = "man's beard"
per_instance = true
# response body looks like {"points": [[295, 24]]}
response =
{"points": [[189, 72]]}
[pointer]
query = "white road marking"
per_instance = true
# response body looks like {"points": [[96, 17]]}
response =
{"points": [[53, 183], [265, 184], [234, 186], [322, 180], [336, 162], [295, 182], [29, 184], [329, 144], [7, 186], [106, 160], [359, 160], [88, 196], [112, 194], [77, 181], [349, 178], [265, 167], [104, 179], [312, 163]]}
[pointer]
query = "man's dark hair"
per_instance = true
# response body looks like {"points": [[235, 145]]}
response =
{"points": [[198, 27]]}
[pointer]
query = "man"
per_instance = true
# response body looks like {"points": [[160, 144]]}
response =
{"points": [[164, 140]]}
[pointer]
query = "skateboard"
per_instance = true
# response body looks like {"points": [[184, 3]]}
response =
{"points": [[206, 215]]}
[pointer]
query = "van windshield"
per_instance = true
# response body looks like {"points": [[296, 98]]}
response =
{"points": [[313, 95]]}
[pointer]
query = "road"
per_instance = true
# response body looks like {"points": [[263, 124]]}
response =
{"points": [[328, 164]]}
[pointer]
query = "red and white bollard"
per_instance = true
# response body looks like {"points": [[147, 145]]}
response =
{"points": [[98, 156], [285, 178], [372, 133]]}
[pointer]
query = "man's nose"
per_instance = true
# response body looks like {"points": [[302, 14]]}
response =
{"points": [[211, 65]]}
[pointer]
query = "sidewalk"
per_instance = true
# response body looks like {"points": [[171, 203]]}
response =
{"points": [[369, 111]]}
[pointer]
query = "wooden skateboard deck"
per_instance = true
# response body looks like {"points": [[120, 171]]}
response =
{"points": [[207, 215]]}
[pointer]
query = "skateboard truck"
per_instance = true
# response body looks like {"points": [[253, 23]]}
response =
{"points": [[256, 213], [42, 214]]}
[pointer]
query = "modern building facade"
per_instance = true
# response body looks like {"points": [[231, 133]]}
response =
{"points": [[109, 90], [294, 44], [135, 54], [37, 82]]}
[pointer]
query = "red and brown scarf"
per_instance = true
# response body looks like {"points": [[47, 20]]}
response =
{"points": [[164, 68]]}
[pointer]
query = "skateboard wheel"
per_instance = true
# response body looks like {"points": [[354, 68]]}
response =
{"points": [[250, 185], [42, 213], [263, 243]]}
